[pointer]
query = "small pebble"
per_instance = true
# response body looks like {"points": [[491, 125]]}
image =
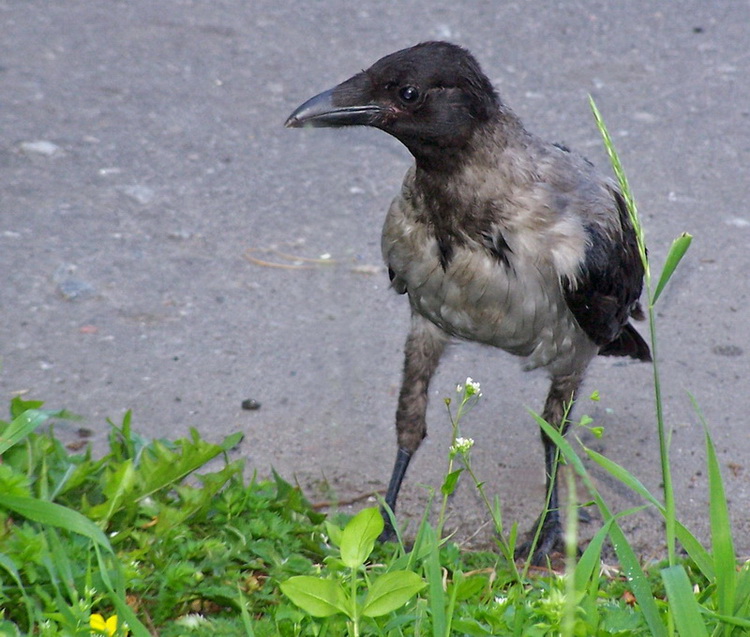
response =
{"points": [[249, 404], [140, 194], [40, 147], [74, 289]]}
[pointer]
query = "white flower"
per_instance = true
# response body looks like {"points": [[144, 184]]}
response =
{"points": [[193, 620], [472, 387], [461, 445]]}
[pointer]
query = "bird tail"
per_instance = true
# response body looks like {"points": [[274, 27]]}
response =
{"points": [[628, 343]]}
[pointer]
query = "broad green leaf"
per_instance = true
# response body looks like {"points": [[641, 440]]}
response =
{"points": [[450, 482], [55, 515], [319, 597], [679, 247], [359, 535], [469, 587], [333, 532], [685, 609], [391, 591]]}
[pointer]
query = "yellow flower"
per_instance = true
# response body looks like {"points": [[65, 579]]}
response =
{"points": [[105, 627]]}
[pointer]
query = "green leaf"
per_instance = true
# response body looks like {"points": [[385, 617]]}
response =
{"points": [[359, 535], [679, 247], [7, 563], [742, 594], [247, 623], [693, 547], [391, 591], [436, 593], [333, 532], [450, 482], [21, 426], [589, 563], [124, 612], [55, 515], [628, 559], [157, 466], [685, 609], [319, 597], [725, 561]]}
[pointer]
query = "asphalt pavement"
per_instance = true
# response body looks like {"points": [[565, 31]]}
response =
{"points": [[166, 246]]}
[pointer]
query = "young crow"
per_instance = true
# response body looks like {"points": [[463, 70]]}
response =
{"points": [[496, 237]]}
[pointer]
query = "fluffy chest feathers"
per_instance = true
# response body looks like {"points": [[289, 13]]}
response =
{"points": [[490, 270]]}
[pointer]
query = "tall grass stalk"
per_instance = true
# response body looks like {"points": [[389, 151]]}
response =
{"points": [[677, 251]]}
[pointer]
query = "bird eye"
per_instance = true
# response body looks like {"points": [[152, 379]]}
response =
{"points": [[408, 94]]}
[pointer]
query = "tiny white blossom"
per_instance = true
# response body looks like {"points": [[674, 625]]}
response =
{"points": [[193, 620], [472, 387], [461, 445]]}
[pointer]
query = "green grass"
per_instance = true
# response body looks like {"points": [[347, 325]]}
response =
{"points": [[149, 535]]}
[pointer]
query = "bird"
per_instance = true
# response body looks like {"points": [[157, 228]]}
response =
{"points": [[496, 237]]}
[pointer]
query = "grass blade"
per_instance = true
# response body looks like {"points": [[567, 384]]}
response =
{"points": [[694, 548], [628, 560], [682, 602], [436, 593], [55, 515], [674, 256], [117, 598], [590, 559], [725, 561], [247, 623], [10, 567], [22, 426]]}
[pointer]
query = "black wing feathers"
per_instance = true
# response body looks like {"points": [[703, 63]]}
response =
{"points": [[608, 288]]}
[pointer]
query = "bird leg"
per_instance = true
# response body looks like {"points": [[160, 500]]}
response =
{"points": [[424, 347], [561, 395]]}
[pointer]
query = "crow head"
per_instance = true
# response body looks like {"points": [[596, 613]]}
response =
{"points": [[431, 97]]}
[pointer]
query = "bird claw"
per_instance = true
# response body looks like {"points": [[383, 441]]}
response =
{"points": [[549, 545], [388, 534]]}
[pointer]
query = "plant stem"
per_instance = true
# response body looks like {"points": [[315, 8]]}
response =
{"points": [[669, 504], [354, 603]]}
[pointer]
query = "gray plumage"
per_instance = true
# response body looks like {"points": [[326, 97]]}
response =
{"points": [[496, 237]]}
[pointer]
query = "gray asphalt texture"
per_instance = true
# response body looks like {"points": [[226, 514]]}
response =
{"points": [[148, 185]]}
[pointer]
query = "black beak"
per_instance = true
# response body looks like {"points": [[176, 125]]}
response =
{"points": [[335, 107]]}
